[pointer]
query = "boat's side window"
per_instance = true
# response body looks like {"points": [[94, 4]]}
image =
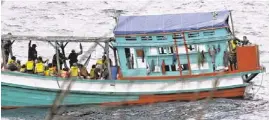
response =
{"points": [[146, 38], [209, 33], [130, 38], [131, 58], [174, 67], [194, 34], [171, 50], [167, 68], [153, 51], [177, 36], [162, 50], [161, 38], [184, 67]]}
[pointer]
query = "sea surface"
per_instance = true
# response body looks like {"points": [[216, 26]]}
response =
{"points": [[93, 18]]}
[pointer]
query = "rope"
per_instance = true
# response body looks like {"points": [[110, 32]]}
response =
{"points": [[259, 86]]}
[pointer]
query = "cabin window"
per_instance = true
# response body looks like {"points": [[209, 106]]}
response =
{"points": [[171, 50], [209, 33], [192, 35], [161, 38], [177, 36], [173, 68], [167, 68], [162, 50], [181, 50], [146, 38], [130, 38], [131, 58], [153, 51], [184, 67]]}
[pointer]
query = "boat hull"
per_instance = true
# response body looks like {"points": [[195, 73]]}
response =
{"points": [[24, 90]]}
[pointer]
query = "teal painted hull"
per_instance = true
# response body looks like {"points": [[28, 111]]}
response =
{"points": [[17, 96]]}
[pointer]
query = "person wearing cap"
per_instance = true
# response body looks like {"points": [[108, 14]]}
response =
{"points": [[73, 56], [32, 53]]}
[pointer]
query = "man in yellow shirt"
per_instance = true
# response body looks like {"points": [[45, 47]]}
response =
{"points": [[74, 71], [39, 67], [12, 65], [30, 66]]}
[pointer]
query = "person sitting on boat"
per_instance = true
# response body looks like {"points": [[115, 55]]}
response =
{"points": [[92, 72], [18, 64], [39, 58], [50, 70], [83, 71], [65, 73], [62, 58], [30, 66], [39, 67], [74, 71], [32, 53], [12, 65], [245, 41], [232, 60], [73, 56], [23, 68]]}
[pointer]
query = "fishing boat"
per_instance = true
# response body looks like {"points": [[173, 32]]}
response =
{"points": [[157, 58]]}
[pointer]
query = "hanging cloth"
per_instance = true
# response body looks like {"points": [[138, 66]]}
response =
{"points": [[152, 65], [203, 57], [199, 58], [163, 67], [219, 48], [143, 56]]}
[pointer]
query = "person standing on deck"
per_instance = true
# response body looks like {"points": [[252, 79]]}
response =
{"points": [[73, 56], [32, 53], [61, 59], [7, 48], [212, 52]]}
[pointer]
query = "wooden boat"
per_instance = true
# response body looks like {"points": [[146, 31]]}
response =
{"points": [[157, 61]]}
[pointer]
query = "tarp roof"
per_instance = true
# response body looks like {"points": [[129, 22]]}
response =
{"points": [[170, 22]]}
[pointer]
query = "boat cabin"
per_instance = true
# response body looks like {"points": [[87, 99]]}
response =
{"points": [[175, 44]]}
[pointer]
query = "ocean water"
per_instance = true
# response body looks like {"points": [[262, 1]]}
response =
{"points": [[92, 18]]}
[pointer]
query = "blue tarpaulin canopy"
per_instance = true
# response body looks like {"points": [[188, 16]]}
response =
{"points": [[170, 22]]}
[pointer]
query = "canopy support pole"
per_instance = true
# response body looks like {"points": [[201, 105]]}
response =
{"points": [[10, 49], [108, 59], [62, 46], [52, 44], [115, 56], [100, 45], [57, 58], [187, 52], [3, 56], [232, 24]]}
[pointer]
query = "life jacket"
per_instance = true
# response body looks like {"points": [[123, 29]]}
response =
{"points": [[233, 45], [30, 65], [74, 71], [99, 61], [64, 74], [10, 62], [52, 71], [92, 75], [47, 73], [22, 70], [39, 68]]}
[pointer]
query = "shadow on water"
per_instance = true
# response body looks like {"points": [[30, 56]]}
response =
{"points": [[217, 109]]}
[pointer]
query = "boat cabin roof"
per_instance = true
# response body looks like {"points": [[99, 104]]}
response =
{"points": [[171, 22]]}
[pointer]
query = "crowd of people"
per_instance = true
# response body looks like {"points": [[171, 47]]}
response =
{"points": [[36, 65]]}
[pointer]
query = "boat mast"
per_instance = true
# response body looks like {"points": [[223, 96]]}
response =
{"points": [[108, 59], [232, 24], [57, 58]]}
